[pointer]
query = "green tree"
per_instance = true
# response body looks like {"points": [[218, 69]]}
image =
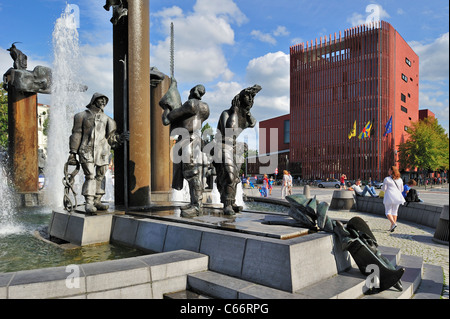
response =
{"points": [[3, 117], [209, 135], [426, 148]]}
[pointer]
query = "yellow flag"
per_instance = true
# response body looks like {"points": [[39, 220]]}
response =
{"points": [[353, 131]]}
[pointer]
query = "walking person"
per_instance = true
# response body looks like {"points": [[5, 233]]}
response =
{"points": [[271, 181], [342, 181], [289, 184], [265, 186], [285, 184], [393, 198]]}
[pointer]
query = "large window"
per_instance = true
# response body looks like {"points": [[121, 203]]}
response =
{"points": [[287, 131], [403, 97], [404, 109], [404, 78]]}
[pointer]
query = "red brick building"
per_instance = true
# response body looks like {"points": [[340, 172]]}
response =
{"points": [[423, 114], [274, 137], [367, 74]]}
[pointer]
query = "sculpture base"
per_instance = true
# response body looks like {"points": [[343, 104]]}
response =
{"points": [[342, 199], [80, 229]]}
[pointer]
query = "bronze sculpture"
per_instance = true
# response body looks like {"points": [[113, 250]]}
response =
{"points": [[188, 156], [20, 59], [356, 238], [93, 136], [120, 9], [231, 123]]}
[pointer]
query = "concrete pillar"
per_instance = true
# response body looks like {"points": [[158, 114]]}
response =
{"points": [[23, 140], [161, 163], [139, 170]]}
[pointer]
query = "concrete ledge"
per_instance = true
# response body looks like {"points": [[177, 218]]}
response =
{"points": [[281, 264], [441, 235], [139, 277], [419, 213], [80, 229]]}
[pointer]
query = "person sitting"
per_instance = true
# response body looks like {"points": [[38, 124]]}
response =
{"points": [[362, 192], [411, 194]]}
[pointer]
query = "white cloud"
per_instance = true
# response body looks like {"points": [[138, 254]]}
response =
{"points": [[271, 71], [270, 37], [373, 12], [433, 58], [281, 31], [224, 9], [263, 37], [434, 76], [199, 39]]}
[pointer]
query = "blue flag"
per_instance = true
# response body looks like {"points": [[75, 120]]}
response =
{"points": [[388, 127]]}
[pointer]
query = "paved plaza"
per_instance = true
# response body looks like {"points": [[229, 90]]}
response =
{"points": [[411, 238]]}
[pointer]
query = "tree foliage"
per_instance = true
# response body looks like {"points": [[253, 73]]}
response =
{"points": [[427, 147], [3, 117]]}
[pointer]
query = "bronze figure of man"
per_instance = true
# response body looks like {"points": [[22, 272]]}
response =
{"points": [[93, 135], [231, 123]]}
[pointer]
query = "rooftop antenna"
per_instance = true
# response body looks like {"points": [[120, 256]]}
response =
{"points": [[172, 49]]}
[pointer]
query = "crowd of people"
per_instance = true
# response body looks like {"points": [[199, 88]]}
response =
{"points": [[394, 191]]}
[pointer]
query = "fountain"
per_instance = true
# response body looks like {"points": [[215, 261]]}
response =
{"points": [[66, 100], [8, 225], [279, 252]]}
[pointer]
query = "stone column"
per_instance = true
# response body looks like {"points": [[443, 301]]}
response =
{"points": [[23, 140], [120, 51], [139, 170], [161, 164]]}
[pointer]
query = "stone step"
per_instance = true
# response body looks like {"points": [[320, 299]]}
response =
{"points": [[221, 286], [185, 294], [346, 285], [432, 283], [410, 280]]}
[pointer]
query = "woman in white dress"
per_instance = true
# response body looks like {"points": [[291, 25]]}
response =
{"points": [[285, 184], [393, 198]]}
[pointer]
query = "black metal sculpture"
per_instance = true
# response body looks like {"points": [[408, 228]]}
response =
{"points": [[93, 135], [119, 9], [37, 81], [356, 238], [231, 123], [186, 122], [20, 59]]}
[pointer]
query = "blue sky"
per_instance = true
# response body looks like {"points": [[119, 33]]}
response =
{"points": [[228, 45]]}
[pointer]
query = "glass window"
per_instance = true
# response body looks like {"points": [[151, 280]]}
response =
{"points": [[407, 61], [287, 131], [404, 78], [404, 109], [403, 97]]}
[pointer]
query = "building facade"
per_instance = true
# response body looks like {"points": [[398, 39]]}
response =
{"points": [[368, 74]]}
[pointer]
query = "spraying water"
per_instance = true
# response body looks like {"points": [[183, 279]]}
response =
{"points": [[8, 224], [66, 100]]}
